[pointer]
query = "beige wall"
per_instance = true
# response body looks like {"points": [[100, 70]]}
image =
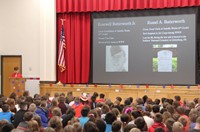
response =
{"points": [[28, 28]]}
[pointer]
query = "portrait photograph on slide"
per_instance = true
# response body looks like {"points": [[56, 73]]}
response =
{"points": [[117, 58], [165, 58]]}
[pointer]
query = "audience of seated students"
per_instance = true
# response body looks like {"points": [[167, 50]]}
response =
{"points": [[140, 115]]}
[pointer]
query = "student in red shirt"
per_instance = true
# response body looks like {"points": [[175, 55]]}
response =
{"points": [[16, 73]]}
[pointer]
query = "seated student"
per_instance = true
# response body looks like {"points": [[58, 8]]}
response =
{"points": [[169, 123], [43, 113], [77, 106], [177, 127], [184, 122], [116, 126], [16, 73], [90, 127], [56, 124], [7, 128], [197, 126], [101, 99], [101, 125], [110, 118], [62, 105], [157, 123], [84, 113], [6, 114], [18, 117], [93, 103], [141, 124], [25, 124]]}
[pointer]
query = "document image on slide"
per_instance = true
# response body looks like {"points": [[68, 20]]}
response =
{"points": [[117, 58], [165, 58]]}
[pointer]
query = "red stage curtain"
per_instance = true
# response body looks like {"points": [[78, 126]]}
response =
{"points": [[77, 52], [115, 5]]}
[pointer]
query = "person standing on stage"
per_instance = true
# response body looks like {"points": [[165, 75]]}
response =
{"points": [[16, 73]]}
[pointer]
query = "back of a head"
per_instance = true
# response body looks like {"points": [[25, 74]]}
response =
{"points": [[28, 116], [166, 115], [170, 109], [7, 128], [55, 123], [95, 94], [156, 108], [135, 130], [33, 125], [54, 102], [90, 127], [56, 95], [102, 95], [140, 123], [85, 110], [69, 128], [158, 118], [127, 102], [145, 97], [77, 127], [116, 126], [32, 107], [119, 99], [176, 116], [178, 98], [177, 127], [56, 112], [169, 123], [49, 129], [93, 98], [61, 99], [26, 93], [128, 127], [69, 93], [180, 110], [101, 125], [125, 118], [105, 109], [5, 108], [110, 118], [136, 113], [183, 121], [157, 101], [163, 100]]}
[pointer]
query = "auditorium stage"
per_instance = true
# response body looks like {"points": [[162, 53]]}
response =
{"points": [[124, 91]]}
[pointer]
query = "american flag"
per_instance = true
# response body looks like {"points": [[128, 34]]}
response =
{"points": [[61, 52]]}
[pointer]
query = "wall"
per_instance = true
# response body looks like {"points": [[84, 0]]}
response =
{"points": [[28, 28]]}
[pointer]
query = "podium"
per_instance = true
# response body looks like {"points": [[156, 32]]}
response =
{"points": [[17, 85]]}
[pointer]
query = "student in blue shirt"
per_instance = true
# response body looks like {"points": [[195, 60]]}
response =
{"points": [[6, 114]]}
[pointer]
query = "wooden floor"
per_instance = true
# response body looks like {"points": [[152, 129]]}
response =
{"points": [[125, 91]]}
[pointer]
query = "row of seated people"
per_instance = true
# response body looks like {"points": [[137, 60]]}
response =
{"points": [[66, 113]]}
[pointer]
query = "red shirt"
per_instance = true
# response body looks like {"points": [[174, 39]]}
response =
{"points": [[17, 75], [78, 109]]}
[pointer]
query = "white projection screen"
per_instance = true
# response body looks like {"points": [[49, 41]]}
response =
{"points": [[144, 47]]}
